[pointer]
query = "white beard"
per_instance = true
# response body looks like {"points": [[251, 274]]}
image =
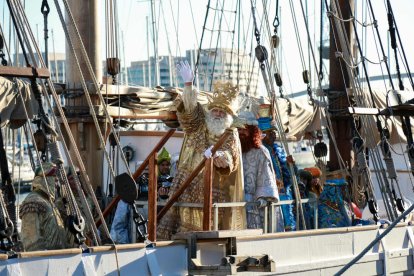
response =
{"points": [[217, 126]]}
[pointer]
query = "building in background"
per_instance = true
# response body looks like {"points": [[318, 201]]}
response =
{"points": [[226, 64], [222, 64], [142, 73], [57, 65]]}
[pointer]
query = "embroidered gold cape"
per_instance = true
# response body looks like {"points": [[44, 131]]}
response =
{"points": [[227, 182]]}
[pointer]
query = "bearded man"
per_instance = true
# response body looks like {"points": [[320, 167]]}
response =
{"points": [[259, 177], [203, 129]]}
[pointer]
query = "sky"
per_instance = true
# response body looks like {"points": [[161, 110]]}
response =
{"points": [[180, 25]]}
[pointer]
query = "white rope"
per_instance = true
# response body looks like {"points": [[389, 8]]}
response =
{"points": [[58, 106]]}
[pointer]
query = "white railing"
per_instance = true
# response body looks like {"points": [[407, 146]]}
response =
{"points": [[273, 219]]}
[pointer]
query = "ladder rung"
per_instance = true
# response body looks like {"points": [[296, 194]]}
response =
{"points": [[24, 72]]}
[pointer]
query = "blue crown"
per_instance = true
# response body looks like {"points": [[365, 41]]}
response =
{"points": [[265, 123]]}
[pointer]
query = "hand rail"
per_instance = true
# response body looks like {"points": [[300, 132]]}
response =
{"points": [[208, 194], [191, 177], [137, 173]]}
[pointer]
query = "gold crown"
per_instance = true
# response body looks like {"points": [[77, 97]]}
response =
{"points": [[224, 94]]}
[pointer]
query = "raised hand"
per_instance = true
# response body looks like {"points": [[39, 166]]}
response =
{"points": [[185, 71]]}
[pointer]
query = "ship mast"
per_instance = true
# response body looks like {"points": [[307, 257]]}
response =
{"points": [[337, 97], [85, 14]]}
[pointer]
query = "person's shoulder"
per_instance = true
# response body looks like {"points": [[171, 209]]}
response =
{"points": [[34, 203], [262, 149]]}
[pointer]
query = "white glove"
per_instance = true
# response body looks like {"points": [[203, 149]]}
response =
{"points": [[208, 154], [184, 70], [219, 153], [261, 202]]}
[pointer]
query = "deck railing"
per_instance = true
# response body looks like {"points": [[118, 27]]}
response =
{"points": [[207, 205], [206, 163], [269, 225]]}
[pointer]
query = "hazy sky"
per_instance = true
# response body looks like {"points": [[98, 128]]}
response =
{"points": [[178, 15]]}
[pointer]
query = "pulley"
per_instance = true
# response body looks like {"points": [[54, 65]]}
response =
{"points": [[141, 224], [373, 208], [126, 188], [76, 226], [320, 149], [261, 53], [275, 41], [112, 140], [6, 227], [113, 67], [305, 76], [400, 204], [278, 79], [40, 140]]}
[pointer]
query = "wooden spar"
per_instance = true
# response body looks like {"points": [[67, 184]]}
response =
{"points": [[24, 72], [337, 97], [208, 194], [191, 177], [137, 173]]}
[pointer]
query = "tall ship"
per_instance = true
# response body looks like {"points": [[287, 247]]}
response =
{"points": [[100, 131]]}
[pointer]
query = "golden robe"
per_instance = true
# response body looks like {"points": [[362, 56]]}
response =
{"points": [[227, 182]]}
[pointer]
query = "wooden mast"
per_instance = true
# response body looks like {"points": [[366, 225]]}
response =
{"points": [[337, 97], [85, 14]]}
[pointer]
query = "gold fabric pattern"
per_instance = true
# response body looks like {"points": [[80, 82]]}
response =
{"points": [[227, 182]]}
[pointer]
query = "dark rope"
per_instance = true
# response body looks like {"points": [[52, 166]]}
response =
{"points": [[401, 45], [321, 43], [405, 121], [2, 54], [393, 39], [382, 130], [276, 22]]}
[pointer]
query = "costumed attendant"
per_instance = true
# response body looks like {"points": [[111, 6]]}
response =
{"points": [[314, 190], [42, 224], [280, 165], [259, 177], [203, 128], [164, 177]]}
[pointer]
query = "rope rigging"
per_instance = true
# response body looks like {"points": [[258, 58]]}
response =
{"points": [[8, 217], [113, 63], [75, 220], [390, 11], [24, 21], [384, 144], [261, 55], [358, 144], [405, 120]]}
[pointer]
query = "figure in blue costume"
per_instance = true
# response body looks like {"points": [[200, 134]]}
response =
{"points": [[281, 169]]}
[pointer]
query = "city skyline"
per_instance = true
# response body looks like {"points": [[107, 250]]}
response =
{"points": [[180, 24]]}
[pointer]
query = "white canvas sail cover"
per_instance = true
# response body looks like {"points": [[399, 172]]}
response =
{"points": [[14, 96]]}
